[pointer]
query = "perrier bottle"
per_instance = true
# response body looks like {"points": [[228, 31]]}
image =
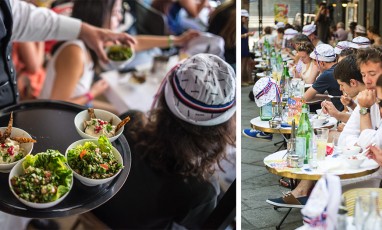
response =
{"points": [[304, 137]]}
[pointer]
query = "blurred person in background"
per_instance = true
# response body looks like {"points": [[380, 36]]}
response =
{"points": [[351, 31], [342, 34], [279, 38], [171, 179], [311, 31], [247, 63], [359, 31], [70, 71], [173, 8], [373, 35], [222, 22], [323, 23]]}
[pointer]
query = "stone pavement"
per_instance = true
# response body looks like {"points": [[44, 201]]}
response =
{"points": [[257, 184]]}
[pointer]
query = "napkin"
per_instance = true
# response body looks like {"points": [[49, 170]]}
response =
{"points": [[320, 211]]}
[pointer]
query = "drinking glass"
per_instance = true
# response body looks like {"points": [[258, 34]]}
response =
{"points": [[336, 148], [361, 209], [321, 141]]}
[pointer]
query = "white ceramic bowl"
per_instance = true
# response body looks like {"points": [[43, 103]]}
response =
{"points": [[18, 170], [16, 132], [354, 162], [317, 122], [88, 181], [101, 114], [120, 64], [351, 151]]}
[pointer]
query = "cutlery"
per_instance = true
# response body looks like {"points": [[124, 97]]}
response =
{"points": [[366, 150], [331, 96]]}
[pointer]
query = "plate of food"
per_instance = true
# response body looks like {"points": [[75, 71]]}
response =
{"points": [[94, 162], [93, 123], [41, 181], [15, 144]]}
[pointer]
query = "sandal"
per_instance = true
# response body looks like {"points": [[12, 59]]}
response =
{"points": [[284, 182]]}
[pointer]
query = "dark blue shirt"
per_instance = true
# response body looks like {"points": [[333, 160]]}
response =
{"points": [[244, 43], [327, 82]]}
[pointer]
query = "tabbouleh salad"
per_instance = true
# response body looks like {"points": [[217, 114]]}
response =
{"points": [[94, 161], [46, 177]]}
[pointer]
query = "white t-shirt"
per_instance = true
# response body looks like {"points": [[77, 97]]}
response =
{"points": [[85, 82], [351, 134]]}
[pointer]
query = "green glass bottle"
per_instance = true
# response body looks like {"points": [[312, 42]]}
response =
{"points": [[284, 83], [266, 112], [304, 137]]}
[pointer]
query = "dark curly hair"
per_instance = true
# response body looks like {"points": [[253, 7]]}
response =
{"points": [[174, 146]]}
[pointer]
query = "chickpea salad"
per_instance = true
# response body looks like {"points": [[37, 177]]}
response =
{"points": [[46, 177], [94, 161]]}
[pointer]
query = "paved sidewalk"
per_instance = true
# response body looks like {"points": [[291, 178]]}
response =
{"points": [[257, 184]]}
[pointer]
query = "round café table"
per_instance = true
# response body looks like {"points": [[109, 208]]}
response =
{"points": [[258, 124], [276, 163], [51, 123]]}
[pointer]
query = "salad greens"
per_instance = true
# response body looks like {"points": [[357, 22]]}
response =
{"points": [[46, 178], [119, 53], [95, 161]]}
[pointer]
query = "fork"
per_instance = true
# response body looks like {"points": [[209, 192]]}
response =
{"points": [[331, 96]]}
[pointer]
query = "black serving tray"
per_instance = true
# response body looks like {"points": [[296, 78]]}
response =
{"points": [[51, 123]]}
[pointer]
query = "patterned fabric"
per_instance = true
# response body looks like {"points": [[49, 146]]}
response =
{"points": [[323, 52], [266, 90], [360, 43], [201, 90], [341, 46], [308, 29]]}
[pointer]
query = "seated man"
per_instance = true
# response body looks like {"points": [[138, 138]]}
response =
{"points": [[350, 80], [366, 115], [326, 62]]}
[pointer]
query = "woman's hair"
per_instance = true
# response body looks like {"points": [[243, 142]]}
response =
{"points": [[352, 26], [228, 32], [347, 52], [347, 69], [268, 30], [280, 30], [174, 146], [308, 47], [369, 54], [94, 14]]}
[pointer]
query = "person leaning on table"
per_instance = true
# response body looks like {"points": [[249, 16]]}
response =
{"points": [[175, 153], [21, 21]]}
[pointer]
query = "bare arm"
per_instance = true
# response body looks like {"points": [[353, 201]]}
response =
{"points": [[32, 55], [145, 42], [193, 9], [69, 69]]}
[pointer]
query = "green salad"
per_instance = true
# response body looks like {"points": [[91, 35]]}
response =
{"points": [[119, 53], [95, 161], [46, 177]]}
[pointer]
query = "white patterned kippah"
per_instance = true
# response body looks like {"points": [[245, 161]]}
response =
{"points": [[202, 90]]}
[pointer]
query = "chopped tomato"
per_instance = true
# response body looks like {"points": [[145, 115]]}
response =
{"points": [[105, 166], [83, 153]]}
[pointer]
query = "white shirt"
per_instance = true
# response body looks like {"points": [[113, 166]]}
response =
{"points": [[352, 131], [84, 83], [32, 23]]}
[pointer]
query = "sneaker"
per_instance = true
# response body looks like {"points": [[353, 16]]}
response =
{"points": [[288, 201], [257, 134]]}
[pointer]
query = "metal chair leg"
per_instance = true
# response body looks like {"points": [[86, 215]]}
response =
{"points": [[282, 221]]}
